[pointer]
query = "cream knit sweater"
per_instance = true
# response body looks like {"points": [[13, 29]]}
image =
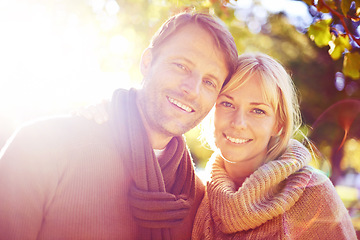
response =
{"points": [[283, 199]]}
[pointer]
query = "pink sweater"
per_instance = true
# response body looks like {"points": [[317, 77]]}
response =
{"points": [[282, 199], [63, 179]]}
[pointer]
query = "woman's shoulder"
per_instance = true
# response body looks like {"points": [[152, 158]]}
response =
{"points": [[318, 177], [321, 209], [320, 190]]}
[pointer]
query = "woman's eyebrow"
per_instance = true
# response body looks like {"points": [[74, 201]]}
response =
{"points": [[227, 96], [260, 103]]}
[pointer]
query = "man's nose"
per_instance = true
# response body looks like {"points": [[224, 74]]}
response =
{"points": [[191, 85]]}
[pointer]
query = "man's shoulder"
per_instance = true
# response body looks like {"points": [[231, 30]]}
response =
{"points": [[58, 131], [57, 124]]}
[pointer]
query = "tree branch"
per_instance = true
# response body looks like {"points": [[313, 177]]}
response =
{"points": [[342, 19]]}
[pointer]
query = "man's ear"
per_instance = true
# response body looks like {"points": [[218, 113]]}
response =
{"points": [[146, 60]]}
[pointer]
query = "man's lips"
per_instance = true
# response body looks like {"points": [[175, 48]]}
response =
{"points": [[237, 140], [180, 105]]}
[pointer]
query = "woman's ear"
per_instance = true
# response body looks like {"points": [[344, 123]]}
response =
{"points": [[145, 62], [278, 130]]}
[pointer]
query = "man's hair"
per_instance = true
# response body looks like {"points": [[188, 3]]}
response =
{"points": [[221, 35]]}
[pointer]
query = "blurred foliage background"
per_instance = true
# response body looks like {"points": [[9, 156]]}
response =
{"points": [[59, 55]]}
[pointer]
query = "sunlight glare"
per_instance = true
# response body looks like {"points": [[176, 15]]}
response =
{"points": [[51, 59], [120, 44], [97, 5], [112, 7]]}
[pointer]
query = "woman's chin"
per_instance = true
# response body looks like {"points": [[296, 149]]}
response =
{"points": [[229, 158]]}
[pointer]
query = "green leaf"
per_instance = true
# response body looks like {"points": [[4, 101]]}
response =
{"points": [[320, 32], [345, 6], [338, 46], [351, 67]]}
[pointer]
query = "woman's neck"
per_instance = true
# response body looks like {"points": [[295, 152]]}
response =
{"points": [[238, 171]]}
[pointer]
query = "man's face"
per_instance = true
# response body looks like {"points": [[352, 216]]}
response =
{"points": [[182, 82]]}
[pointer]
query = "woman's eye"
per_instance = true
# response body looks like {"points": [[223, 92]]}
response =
{"points": [[258, 111], [226, 104]]}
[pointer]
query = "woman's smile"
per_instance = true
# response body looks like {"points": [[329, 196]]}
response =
{"points": [[237, 140]]}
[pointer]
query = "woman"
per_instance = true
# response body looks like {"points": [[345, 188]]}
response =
{"points": [[261, 186]]}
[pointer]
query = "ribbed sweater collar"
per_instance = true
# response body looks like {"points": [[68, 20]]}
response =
{"points": [[268, 192]]}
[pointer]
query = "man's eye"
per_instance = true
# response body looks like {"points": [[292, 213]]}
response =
{"points": [[180, 66], [210, 83]]}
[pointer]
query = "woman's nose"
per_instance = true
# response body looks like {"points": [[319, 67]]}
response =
{"points": [[239, 120]]}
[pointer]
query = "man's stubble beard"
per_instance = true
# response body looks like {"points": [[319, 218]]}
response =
{"points": [[160, 122]]}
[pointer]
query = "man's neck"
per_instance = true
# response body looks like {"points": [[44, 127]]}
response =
{"points": [[157, 140]]}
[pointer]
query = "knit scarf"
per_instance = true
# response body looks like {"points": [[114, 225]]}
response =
{"points": [[162, 190], [267, 193]]}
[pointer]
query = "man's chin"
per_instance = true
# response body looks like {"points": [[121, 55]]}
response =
{"points": [[178, 130]]}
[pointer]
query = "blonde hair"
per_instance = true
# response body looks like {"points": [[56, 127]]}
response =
{"points": [[278, 89]]}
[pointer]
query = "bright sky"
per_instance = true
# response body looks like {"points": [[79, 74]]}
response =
{"points": [[51, 61], [296, 11]]}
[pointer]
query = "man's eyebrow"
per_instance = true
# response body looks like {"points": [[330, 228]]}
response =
{"points": [[213, 77], [183, 58]]}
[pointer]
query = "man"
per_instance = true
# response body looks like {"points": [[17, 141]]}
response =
{"points": [[131, 178]]}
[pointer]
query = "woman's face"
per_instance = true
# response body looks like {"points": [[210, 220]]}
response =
{"points": [[244, 123]]}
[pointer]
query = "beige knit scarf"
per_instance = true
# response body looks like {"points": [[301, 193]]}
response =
{"points": [[268, 192], [163, 189]]}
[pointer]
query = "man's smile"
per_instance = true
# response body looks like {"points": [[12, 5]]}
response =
{"points": [[180, 105]]}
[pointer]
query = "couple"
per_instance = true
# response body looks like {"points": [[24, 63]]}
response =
{"points": [[133, 177]]}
